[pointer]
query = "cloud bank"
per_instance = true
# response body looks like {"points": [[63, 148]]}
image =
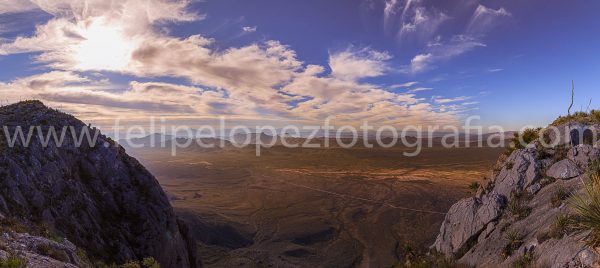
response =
{"points": [[85, 39]]}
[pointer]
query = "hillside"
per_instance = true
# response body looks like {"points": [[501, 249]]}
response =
{"points": [[94, 196], [524, 216]]}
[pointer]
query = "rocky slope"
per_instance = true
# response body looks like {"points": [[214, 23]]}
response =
{"points": [[518, 217], [95, 195]]}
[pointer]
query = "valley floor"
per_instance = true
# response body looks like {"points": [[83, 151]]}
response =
{"points": [[315, 207]]}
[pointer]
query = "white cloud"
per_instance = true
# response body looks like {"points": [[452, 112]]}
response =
{"points": [[403, 85], [389, 13], [442, 100], [422, 25], [484, 19], [419, 22], [458, 45], [249, 29], [419, 89], [421, 62], [495, 70], [353, 64]]}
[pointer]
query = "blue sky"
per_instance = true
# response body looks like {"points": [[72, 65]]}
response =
{"points": [[391, 62]]}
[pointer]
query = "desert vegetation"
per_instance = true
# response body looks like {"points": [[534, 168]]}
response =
{"points": [[587, 205], [514, 241], [593, 117], [13, 262], [560, 194], [520, 139], [517, 207]]}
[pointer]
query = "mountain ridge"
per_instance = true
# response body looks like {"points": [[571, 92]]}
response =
{"points": [[95, 195]]}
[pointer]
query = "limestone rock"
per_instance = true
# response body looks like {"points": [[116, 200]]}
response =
{"points": [[465, 220], [94, 194], [521, 170], [40, 252], [583, 154], [564, 169], [478, 239]]}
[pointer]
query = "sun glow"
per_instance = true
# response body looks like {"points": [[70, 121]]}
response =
{"points": [[104, 48]]}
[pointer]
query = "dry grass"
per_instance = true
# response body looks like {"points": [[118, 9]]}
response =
{"points": [[587, 209], [581, 117]]}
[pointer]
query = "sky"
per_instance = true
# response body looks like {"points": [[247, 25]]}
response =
{"points": [[388, 62]]}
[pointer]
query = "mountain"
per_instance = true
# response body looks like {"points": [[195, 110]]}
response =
{"points": [[521, 216], [94, 195], [153, 140]]}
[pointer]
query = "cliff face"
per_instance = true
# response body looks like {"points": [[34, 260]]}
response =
{"points": [[519, 216], [97, 196]]}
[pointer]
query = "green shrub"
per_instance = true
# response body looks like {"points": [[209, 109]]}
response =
{"points": [[561, 225], [595, 115], [521, 139], [593, 168], [51, 252], [83, 256], [150, 263], [516, 207], [580, 117], [474, 186], [509, 165], [515, 240], [526, 260], [131, 264], [13, 262], [433, 259], [13, 224]]}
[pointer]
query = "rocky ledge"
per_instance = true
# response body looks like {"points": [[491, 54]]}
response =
{"points": [[517, 216]]}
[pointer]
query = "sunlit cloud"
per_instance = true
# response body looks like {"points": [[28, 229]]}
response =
{"points": [[261, 80], [354, 64]]}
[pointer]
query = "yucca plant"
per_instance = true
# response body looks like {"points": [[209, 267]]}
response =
{"points": [[559, 195], [587, 209], [515, 240], [474, 186], [562, 225]]}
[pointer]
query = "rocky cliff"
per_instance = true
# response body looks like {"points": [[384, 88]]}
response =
{"points": [[519, 217], [94, 195]]}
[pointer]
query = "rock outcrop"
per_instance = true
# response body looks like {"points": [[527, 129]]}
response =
{"points": [[40, 252], [514, 217], [521, 170], [466, 220], [94, 194]]}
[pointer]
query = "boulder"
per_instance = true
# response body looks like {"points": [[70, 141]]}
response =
{"points": [[465, 221], [564, 170], [521, 170]]}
